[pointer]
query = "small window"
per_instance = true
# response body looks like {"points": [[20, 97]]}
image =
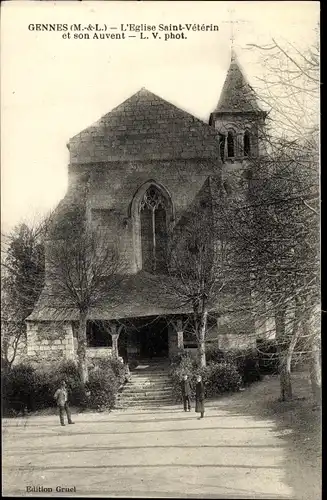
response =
{"points": [[222, 146], [247, 144], [230, 145]]}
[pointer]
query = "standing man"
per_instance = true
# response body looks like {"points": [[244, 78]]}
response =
{"points": [[186, 393], [61, 396], [199, 396]]}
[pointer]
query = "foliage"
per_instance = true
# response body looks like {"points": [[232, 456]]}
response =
{"points": [[117, 367], [23, 265], [102, 387], [220, 377], [18, 389], [133, 364], [198, 259], [27, 388], [84, 270], [246, 360], [268, 356], [217, 377], [22, 281], [213, 353]]}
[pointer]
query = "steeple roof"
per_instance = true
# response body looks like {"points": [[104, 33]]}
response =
{"points": [[237, 95]]}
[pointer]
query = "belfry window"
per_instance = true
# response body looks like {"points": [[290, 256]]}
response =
{"points": [[230, 145], [153, 230], [247, 143], [222, 139]]}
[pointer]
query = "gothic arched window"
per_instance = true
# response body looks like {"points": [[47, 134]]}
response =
{"points": [[247, 143], [230, 145], [153, 230]]}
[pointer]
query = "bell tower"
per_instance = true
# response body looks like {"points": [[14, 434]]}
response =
{"points": [[238, 118]]}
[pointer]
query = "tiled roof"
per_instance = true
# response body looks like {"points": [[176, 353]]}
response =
{"points": [[237, 95], [139, 295], [145, 126]]}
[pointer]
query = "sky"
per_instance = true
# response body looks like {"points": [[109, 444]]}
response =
{"points": [[52, 88]]}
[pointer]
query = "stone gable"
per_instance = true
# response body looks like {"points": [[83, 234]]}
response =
{"points": [[144, 127]]}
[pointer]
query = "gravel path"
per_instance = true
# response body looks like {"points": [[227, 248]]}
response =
{"points": [[239, 450]]}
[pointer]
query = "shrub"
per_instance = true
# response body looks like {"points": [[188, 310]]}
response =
{"points": [[220, 377], [247, 363], [32, 388], [213, 353], [133, 364], [18, 386], [48, 378], [217, 377], [114, 365], [185, 365], [268, 356], [103, 386], [178, 356]]}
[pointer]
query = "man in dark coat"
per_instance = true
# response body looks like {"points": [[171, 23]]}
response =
{"points": [[61, 396], [199, 396], [186, 393]]}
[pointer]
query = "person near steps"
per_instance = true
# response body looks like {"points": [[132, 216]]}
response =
{"points": [[186, 393], [199, 396], [61, 396]]}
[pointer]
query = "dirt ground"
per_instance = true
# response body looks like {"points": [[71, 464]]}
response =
{"points": [[249, 445]]}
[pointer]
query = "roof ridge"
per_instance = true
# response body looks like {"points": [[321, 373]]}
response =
{"points": [[142, 91]]}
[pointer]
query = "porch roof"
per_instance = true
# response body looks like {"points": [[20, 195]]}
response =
{"points": [[138, 295]]}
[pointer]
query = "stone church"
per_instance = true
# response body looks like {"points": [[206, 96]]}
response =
{"points": [[136, 171]]}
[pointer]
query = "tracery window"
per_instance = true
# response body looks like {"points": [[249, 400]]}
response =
{"points": [[230, 145], [153, 230]]}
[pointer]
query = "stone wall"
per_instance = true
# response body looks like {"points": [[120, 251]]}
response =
{"points": [[98, 353], [47, 339]]}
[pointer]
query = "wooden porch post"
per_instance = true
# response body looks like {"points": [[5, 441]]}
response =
{"points": [[180, 334], [114, 336]]}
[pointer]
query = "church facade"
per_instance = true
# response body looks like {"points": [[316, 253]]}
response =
{"points": [[136, 172]]}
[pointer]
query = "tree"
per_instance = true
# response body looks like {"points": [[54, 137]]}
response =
{"points": [[84, 268], [22, 281], [279, 222], [199, 260]]}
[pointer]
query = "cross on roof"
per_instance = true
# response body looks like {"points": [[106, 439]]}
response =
{"points": [[232, 22]]}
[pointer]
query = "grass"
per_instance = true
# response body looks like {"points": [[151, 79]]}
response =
{"points": [[298, 423]]}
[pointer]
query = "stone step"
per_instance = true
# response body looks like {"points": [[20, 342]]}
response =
{"points": [[149, 380], [145, 404], [149, 390], [150, 376], [146, 398], [147, 393]]}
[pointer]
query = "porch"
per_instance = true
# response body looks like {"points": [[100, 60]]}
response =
{"points": [[150, 337]]}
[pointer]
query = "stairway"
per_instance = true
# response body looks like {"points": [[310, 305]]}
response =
{"points": [[149, 386]]}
